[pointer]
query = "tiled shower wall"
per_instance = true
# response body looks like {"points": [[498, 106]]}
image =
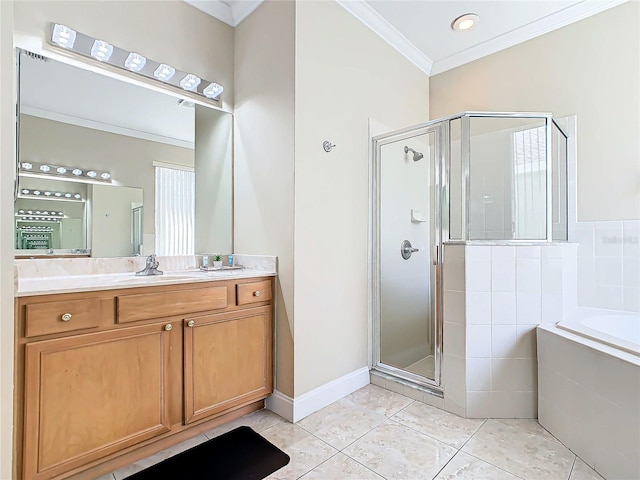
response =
{"points": [[494, 297], [608, 264]]}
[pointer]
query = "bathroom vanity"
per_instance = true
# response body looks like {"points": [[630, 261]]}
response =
{"points": [[123, 368]]}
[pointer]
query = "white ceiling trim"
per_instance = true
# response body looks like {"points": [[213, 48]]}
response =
{"points": [[544, 25], [241, 10], [376, 22], [231, 14], [216, 9]]}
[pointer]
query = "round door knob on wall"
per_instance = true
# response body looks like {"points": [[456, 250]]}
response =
{"points": [[66, 317], [168, 327], [191, 323]]}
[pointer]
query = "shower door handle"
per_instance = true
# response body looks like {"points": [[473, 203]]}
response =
{"points": [[406, 249]]}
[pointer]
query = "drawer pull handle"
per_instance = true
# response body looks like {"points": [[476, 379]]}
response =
{"points": [[257, 293], [191, 323], [168, 327], [66, 317]]}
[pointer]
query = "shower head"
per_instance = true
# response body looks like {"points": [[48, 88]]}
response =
{"points": [[416, 155]]}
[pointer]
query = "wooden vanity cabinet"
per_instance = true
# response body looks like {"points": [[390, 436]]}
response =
{"points": [[227, 361], [90, 395], [126, 379]]}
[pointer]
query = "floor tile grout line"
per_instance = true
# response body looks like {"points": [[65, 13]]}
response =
{"points": [[573, 465], [493, 465], [445, 465], [321, 463], [554, 439], [360, 463], [437, 439]]}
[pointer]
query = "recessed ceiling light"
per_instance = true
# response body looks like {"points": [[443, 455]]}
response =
{"points": [[465, 22]]}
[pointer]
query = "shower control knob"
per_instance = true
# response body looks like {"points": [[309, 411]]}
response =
{"points": [[406, 249]]}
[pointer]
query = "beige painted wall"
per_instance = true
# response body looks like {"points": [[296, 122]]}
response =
{"points": [[129, 159], [168, 31], [591, 69], [214, 181], [264, 158], [111, 220], [345, 74], [7, 136], [197, 43]]}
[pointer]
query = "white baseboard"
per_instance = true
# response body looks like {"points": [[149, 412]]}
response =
{"points": [[295, 409], [280, 404]]}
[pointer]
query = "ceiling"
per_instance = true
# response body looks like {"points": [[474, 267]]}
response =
{"points": [[421, 29], [84, 98]]}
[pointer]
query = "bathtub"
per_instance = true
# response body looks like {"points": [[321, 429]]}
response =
{"points": [[589, 388], [619, 330]]}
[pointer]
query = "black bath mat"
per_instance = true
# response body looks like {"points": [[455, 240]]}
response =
{"points": [[240, 454]]}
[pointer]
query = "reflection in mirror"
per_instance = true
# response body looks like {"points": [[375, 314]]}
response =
{"points": [[109, 142]]}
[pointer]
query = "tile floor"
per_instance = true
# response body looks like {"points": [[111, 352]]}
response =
{"points": [[376, 434]]}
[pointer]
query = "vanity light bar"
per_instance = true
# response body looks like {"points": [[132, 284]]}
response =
{"points": [[71, 40], [46, 213], [33, 169], [49, 195], [36, 228], [40, 219]]}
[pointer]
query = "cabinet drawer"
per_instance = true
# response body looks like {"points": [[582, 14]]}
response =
{"points": [[65, 316], [157, 305], [254, 292]]}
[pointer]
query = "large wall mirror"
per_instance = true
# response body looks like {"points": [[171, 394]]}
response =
{"points": [[107, 168]]}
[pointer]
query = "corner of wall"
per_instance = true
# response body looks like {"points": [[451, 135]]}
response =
{"points": [[7, 173]]}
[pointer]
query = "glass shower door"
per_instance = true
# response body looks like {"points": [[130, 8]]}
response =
{"points": [[408, 238]]}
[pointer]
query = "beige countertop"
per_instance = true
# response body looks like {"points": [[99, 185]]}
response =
{"points": [[91, 282]]}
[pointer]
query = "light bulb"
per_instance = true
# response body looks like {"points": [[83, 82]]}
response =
{"points": [[135, 62], [45, 168], [164, 72], [91, 174], [27, 165], [190, 82], [78, 196], [36, 192], [101, 50], [105, 176], [63, 36], [213, 90], [77, 172], [61, 170], [67, 195]]}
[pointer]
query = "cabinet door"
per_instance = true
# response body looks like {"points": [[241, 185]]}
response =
{"points": [[227, 361], [90, 395]]}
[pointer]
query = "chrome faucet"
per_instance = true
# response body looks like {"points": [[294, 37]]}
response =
{"points": [[151, 268]]}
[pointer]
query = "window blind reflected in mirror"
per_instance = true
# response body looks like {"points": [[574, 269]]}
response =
{"points": [[175, 211]]}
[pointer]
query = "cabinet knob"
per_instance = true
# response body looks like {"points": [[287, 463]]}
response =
{"points": [[66, 317], [191, 323], [168, 327], [257, 293]]}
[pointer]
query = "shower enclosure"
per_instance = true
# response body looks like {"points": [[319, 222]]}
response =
{"points": [[472, 177]]}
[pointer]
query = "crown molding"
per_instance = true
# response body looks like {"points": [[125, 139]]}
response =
{"points": [[547, 24], [230, 13], [215, 8], [241, 10], [377, 23]]}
